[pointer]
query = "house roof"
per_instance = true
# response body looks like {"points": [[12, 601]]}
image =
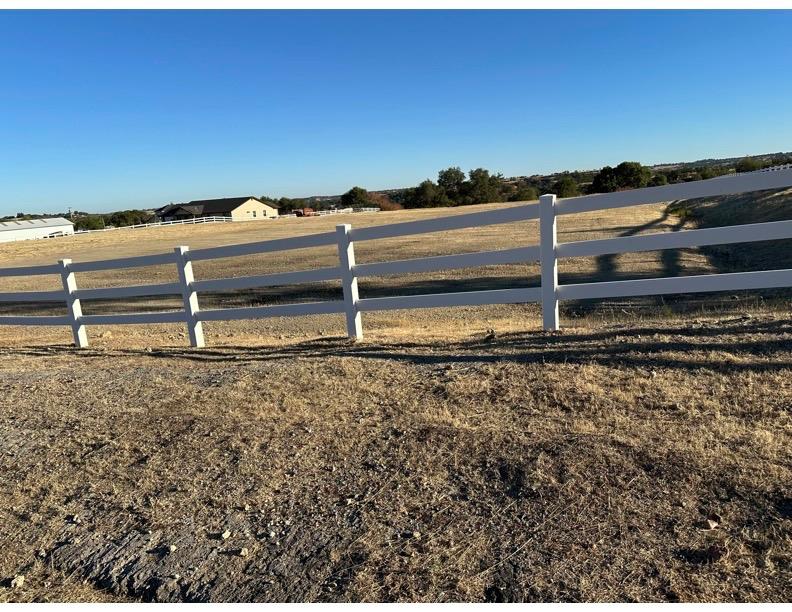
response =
{"points": [[211, 207], [9, 226]]}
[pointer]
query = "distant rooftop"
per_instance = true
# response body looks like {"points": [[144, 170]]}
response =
{"points": [[7, 226], [217, 206]]}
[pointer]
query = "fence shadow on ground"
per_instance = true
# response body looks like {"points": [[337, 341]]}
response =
{"points": [[757, 345]]}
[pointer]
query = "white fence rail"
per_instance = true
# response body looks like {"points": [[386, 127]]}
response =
{"points": [[194, 221], [547, 252], [219, 219]]}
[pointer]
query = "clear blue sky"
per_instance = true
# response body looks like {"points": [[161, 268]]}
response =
{"points": [[108, 110]]}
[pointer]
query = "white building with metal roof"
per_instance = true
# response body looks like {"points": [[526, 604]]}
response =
{"points": [[28, 229]]}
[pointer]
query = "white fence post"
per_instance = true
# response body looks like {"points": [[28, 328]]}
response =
{"points": [[73, 304], [549, 261], [346, 255], [190, 297]]}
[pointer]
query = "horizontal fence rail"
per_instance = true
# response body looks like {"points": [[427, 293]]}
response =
{"points": [[126, 262], [34, 320], [449, 262], [463, 298], [111, 293], [134, 318], [268, 280], [754, 232], [32, 296], [730, 281], [31, 270], [268, 246], [283, 310], [547, 253]]}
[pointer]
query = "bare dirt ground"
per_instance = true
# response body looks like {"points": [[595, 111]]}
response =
{"points": [[641, 454]]}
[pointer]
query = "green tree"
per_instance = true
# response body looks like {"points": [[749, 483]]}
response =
{"points": [[482, 187], [426, 195], [708, 172], [124, 218], [632, 175], [357, 197], [748, 164], [452, 180], [627, 175], [89, 222], [524, 194], [604, 181], [566, 187], [285, 205], [658, 180]]}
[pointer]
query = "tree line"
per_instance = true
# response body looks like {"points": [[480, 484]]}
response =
{"points": [[455, 188], [92, 221]]}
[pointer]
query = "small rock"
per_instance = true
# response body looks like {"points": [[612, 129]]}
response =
{"points": [[243, 552], [171, 548], [713, 521], [75, 520], [41, 553], [176, 577], [18, 581], [416, 535], [226, 534], [272, 534], [247, 508]]}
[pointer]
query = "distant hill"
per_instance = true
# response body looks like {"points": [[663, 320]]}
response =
{"points": [[724, 161]]}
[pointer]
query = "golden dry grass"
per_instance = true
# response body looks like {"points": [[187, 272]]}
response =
{"points": [[430, 462], [157, 240]]}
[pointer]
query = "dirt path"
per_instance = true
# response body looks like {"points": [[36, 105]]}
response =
{"points": [[529, 467]]}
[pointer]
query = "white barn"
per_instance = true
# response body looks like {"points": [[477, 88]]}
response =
{"points": [[28, 229]]}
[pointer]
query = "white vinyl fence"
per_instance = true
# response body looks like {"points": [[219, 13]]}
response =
{"points": [[548, 252], [193, 221], [219, 219]]}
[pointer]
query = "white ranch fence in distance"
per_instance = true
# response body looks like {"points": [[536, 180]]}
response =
{"points": [[193, 221], [547, 252]]}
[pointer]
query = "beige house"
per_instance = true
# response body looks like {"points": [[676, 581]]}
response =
{"points": [[239, 209]]}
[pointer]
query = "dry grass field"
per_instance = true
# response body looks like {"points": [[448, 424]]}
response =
{"points": [[641, 454], [158, 240]]}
